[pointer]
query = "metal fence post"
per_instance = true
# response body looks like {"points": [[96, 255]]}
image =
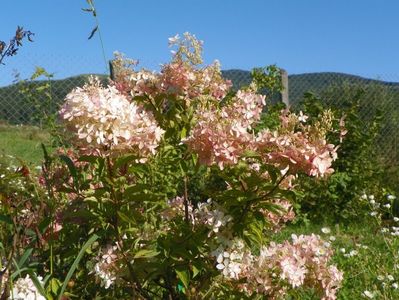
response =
{"points": [[111, 70], [284, 92]]}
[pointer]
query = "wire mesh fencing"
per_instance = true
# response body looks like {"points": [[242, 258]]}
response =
{"points": [[378, 99], [21, 101], [32, 84]]}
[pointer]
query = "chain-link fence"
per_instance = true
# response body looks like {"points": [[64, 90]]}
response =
{"points": [[377, 99], [19, 99], [25, 101], [30, 83], [22, 98]]}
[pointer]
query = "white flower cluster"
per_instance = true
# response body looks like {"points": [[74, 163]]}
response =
{"points": [[104, 118], [105, 267], [374, 205], [24, 289], [326, 230], [379, 208], [351, 253], [4, 273], [233, 260], [368, 294], [348, 253], [207, 213], [214, 218], [393, 230], [388, 280]]}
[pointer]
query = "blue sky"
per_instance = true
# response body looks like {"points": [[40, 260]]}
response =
{"points": [[357, 36]]}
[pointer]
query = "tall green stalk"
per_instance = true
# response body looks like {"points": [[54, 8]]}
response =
{"points": [[93, 10]]}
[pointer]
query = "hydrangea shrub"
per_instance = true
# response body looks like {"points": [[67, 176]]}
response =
{"points": [[171, 191]]}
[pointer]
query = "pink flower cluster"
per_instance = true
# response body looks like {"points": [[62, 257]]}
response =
{"points": [[304, 262], [180, 80], [221, 136], [296, 151], [222, 133], [282, 267], [102, 118]]}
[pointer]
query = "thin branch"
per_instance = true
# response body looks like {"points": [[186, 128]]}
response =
{"points": [[186, 217], [13, 46]]}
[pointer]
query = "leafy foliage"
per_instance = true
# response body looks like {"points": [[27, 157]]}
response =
{"points": [[357, 170]]}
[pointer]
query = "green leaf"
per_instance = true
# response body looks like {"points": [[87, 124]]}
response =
{"points": [[183, 166], [39, 71], [183, 133], [6, 219], [18, 272], [42, 88], [70, 164], [88, 158], [43, 225], [124, 217], [71, 167], [184, 275], [37, 283], [145, 253], [47, 158], [138, 188], [287, 194], [82, 251], [54, 285], [180, 288], [24, 257], [82, 213], [125, 160], [251, 154], [194, 160], [196, 270], [273, 172]]}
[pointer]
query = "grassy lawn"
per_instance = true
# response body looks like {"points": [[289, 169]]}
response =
{"points": [[23, 142]]}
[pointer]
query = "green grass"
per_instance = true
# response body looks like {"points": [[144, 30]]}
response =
{"points": [[23, 142]]}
